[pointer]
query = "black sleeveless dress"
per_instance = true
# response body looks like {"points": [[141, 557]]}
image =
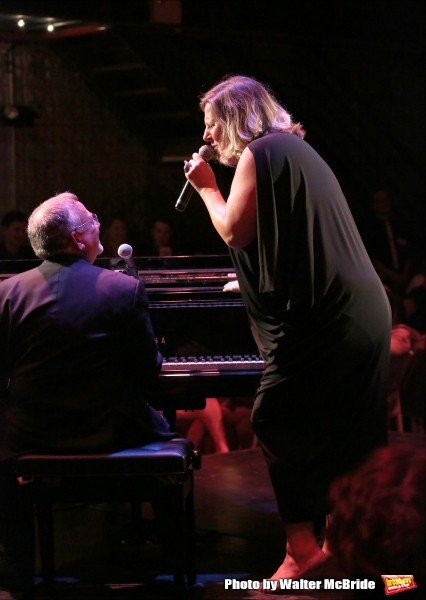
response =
{"points": [[322, 322]]}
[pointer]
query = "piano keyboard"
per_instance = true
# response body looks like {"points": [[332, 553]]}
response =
{"points": [[214, 363]]}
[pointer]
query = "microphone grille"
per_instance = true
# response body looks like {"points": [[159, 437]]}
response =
{"points": [[125, 251], [207, 152]]}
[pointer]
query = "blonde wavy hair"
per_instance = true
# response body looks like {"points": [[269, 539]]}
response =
{"points": [[245, 110]]}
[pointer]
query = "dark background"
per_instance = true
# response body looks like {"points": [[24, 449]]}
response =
{"points": [[351, 72]]}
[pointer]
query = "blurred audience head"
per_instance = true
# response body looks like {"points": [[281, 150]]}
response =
{"points": [[378, 516], [14, 230], [161, 233], [115, 234], [382, 204]]}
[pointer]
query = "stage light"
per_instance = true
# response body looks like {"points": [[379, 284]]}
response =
{"points": [[21, 23], [50, 27]]}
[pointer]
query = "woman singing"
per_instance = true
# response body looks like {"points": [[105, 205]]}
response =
{"points": [[318, 310]]}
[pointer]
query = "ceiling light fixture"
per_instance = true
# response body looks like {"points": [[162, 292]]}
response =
{"points": [[11, 112], [15, 115]]}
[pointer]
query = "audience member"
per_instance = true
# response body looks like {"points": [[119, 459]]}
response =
{"points": [[387, 243], [236, 412], [378, 517], [414, 301], [66, 386], [413, 390], [224, 425], [377, 524], [407, 372], [161, 237], [15, 240], [404, 342], [419, 276], [197, 424], [114, 235]]}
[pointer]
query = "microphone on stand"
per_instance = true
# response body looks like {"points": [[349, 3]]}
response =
{"points": [[207, 153], [125, 251]]}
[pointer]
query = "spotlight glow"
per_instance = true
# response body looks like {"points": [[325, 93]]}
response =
{"points": [[21, 23], [50, 27]]}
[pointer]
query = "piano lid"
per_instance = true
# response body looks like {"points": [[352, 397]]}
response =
{"points": [[145, 264], [161, 275]]}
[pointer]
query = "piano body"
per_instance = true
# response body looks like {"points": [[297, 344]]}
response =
{"points": [[202, 332]]}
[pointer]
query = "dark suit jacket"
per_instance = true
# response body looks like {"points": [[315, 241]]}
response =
{"points": [[78, 360]]}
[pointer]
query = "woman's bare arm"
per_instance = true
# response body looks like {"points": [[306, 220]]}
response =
{"points": [[234, 220]]}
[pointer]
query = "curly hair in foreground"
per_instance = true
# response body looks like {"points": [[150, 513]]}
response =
{"points": [[378, 516]]}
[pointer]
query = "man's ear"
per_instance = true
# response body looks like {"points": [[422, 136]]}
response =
{"points": [[79, 246]]}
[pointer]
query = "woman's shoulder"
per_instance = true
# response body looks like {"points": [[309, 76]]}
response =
{"points": [[277, 141], [273, 149]]}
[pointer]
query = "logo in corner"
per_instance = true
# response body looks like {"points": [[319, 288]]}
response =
{"points": [[398, 583]]}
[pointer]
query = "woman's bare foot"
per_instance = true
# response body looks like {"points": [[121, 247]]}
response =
{"points": [[302, 553], [290, 569], [287, 570], [310, 560]]}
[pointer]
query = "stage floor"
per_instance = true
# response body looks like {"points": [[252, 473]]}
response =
{"points": [[239, 536]]}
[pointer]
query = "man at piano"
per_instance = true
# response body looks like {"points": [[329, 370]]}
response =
{"points": [[318, 310], [78, 359]]}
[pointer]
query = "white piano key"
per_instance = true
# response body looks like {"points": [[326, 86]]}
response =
{"points": [[245, 364]]}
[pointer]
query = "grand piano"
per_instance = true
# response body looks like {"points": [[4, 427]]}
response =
{"points": [[202, 332]]}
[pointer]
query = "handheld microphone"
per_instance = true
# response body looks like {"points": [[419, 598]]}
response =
{"points": [[207, 153], [125, 251]]}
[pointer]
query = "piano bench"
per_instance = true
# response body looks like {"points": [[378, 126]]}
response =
{"points": [[160, 472]]}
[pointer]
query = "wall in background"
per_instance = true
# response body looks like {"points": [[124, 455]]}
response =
{"points": [[75, 144], [359, 91]]}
